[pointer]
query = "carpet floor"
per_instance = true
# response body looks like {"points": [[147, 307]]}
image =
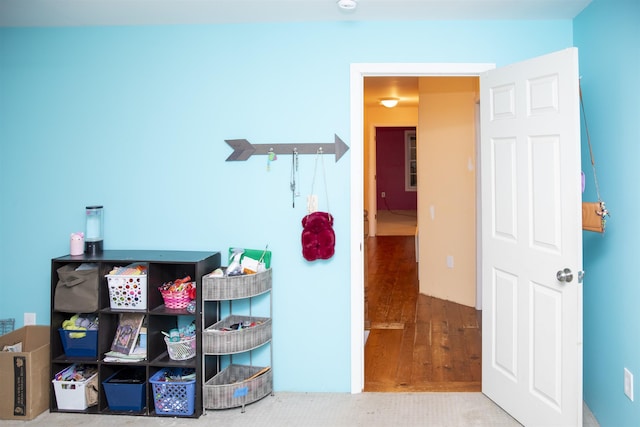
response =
{"points": [[323, 410]]}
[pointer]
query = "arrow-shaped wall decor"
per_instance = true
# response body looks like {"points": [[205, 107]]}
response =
{"points": [[243, 149]]}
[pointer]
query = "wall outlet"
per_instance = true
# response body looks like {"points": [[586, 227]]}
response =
{"points": [[450, 261], [29, 319], [383, 194], [628, 384]]}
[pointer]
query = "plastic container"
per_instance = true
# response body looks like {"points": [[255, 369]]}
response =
{"points": [[94, 230], [126, 390], [75, 395], [127, 292], [181, 350], [176, 300], [76, 244], [171, 397], [76, 345]]}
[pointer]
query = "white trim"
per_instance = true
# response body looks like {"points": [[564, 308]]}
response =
{"points": [[408, 159], [372, 203], [478, 211], [356, 78]]}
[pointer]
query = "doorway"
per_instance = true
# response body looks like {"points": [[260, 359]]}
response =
{"points": [[358, 72], [395, 178], [516, 371], [428, 340]]}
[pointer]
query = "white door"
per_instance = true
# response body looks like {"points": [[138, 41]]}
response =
{"points": [[531, 229]]}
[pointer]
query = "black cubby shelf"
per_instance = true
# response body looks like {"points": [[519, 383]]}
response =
{"points": [[162, 266]]}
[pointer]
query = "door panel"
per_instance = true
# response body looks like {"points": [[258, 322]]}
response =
{"points": [[505, 321], [546, 198], [546, 345], [531, 229], [504, 182]]}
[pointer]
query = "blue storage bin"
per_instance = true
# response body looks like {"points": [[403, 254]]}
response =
{"points": [[170, 396], [126, 390], [86, 346]]}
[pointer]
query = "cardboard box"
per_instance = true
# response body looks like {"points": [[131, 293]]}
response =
{"points": [[26, 373]]}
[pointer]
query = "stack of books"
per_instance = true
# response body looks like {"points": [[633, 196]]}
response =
{"points": [[126, 346]]}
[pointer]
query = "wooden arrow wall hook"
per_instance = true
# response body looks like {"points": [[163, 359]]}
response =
{"points": [[243, 149]]}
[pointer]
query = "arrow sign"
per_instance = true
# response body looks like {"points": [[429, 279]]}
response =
{"points": [[243, 149]]}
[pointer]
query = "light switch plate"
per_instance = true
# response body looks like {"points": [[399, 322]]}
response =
{"points": [[628, 384], [29, 319]]}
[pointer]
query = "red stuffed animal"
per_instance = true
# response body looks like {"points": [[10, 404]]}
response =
{"points": [[318, 237]]}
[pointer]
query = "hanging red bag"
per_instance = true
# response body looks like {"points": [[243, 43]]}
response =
{"points": [[318, 237]]}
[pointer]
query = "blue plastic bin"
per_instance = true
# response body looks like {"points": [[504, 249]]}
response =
{"points": [[173, 397], [125, 391], [86, 346]]}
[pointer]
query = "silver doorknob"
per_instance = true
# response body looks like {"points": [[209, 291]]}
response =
{"points": [[564, 275]]}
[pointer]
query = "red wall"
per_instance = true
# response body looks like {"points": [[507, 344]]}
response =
{"points": [[390, 164]]}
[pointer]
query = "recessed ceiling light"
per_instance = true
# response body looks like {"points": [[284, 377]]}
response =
{"points": [[347, 4], [389, 102]]}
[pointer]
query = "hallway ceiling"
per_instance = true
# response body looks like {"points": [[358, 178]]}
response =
{"points": [[22, 13], [403, 88]]}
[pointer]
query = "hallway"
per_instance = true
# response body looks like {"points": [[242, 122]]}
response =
{"points": [[416, 342]]}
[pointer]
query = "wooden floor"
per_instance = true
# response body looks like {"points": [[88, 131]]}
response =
{"points": [[416, 342]]}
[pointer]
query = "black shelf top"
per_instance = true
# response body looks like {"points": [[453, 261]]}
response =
{"points": [[141, 256]]}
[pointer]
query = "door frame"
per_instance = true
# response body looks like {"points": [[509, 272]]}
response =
{"points": [[358, 71]]}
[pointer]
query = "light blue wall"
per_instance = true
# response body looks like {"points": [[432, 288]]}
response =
{"points": [[607, 35], [136, 118]]}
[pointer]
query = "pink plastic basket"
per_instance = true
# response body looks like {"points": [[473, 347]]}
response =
{"points": [[176, 300]]}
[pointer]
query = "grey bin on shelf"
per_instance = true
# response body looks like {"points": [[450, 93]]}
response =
{"points": [[236, 287], [231, 387], [215, 341]]}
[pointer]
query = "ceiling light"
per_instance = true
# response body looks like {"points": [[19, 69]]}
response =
{"points": [[389, 102], [347, 4]]}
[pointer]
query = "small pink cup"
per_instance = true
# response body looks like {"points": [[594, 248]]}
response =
{"points": [[77, 244]]}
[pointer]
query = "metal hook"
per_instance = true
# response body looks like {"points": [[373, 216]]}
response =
{"points": [[271, 156], [292, 183]]}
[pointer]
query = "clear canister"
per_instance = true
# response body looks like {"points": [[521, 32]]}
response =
{"points": [[94, 231]]}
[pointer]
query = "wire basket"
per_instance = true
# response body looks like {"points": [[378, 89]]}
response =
{"points": [[237, 385], [172, 396], [7, 325], [176, 300], [216, 340], [181, 350], [235, 287]]}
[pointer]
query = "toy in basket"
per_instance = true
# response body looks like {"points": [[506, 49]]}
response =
{"points": [[183, 349], [179, 293], [173, 391]]}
